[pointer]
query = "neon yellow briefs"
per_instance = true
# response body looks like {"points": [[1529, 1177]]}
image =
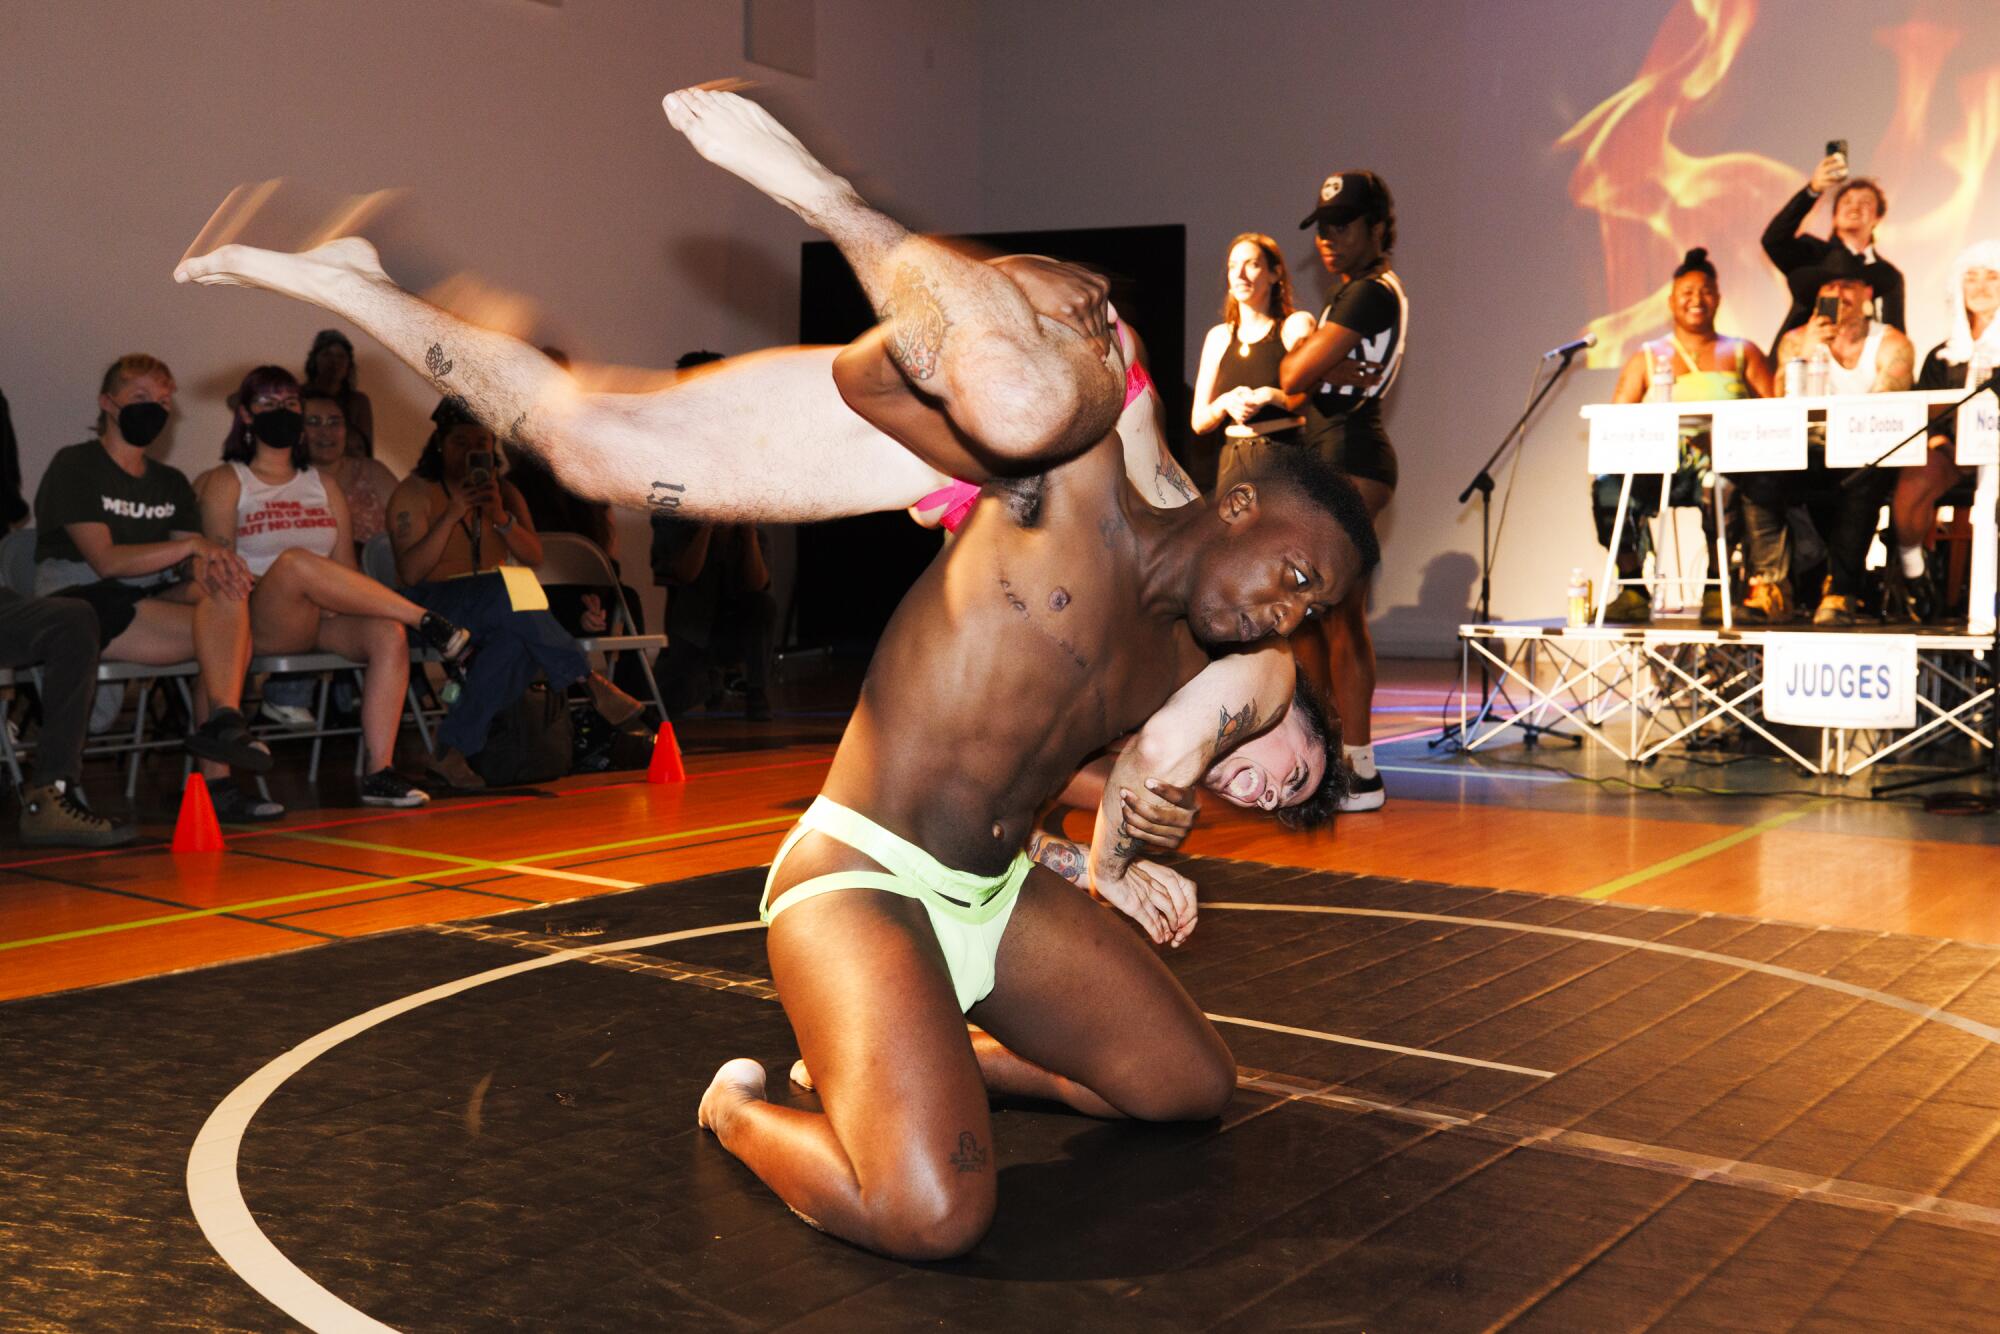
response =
{"points": [[969, 913]]}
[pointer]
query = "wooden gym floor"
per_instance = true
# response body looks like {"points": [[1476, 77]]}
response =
{"points": [[1530, 1046]]}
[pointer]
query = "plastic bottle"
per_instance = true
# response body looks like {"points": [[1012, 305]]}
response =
{"points": [[1819, 371], [1662, 379], [1579, 597]]}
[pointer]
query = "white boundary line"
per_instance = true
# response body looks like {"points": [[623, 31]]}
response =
{"points": [[1379, 1046]]}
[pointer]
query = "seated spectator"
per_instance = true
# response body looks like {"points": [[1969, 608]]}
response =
{"points": [[122, 532], [1863, 356], [60, 636], [13, 509], [365, 482], [1911, 596], [455, 518], [719, 612], [1858, 205], [330, 370], [1705, 365], [289, 523]]}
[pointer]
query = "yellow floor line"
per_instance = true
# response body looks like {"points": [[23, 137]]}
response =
{"points": [[1693, 855]]}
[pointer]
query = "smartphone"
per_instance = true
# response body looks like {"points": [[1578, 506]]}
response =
{"points": [[479, 468], [1836, 147], [1829, 306]]}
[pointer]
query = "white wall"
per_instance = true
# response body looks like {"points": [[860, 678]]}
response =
{"points": [[1228, 117], [530, 142]]}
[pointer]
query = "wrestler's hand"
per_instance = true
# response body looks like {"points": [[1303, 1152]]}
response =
{"points": [[1069, 294], [1159, 817], [1160, 900]]}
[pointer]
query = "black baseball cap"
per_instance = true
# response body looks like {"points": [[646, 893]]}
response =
{"points": [[1347, 195]]}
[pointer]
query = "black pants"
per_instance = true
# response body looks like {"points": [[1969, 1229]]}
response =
{"points": [[1846, 516], [742, 631], [59, 634]]}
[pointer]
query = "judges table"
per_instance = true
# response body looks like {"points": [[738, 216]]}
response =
{"points": [[1869, 694]]}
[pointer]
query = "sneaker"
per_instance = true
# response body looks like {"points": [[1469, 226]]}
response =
{"points": [[1711, 607], [1632, 606], [1834, 609], [1768, 604], [386, 787], [225, 738], [237, 806], [292, 717], [1365, 794], [54, 813], [1907, 600], [449, 640], [451, 772]]}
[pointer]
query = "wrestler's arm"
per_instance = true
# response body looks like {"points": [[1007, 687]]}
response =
{"points": [[1225, 703]]}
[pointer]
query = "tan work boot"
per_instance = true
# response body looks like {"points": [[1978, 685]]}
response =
{"points": [[617, 707], [454, 773], [51, 814]]}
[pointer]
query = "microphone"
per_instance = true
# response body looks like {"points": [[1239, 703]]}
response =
{"points": [[1571, 348]]}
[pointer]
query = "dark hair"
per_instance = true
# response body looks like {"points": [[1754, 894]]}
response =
{"points": [[1280, 301], [1696, 261], [240, 446], [689, 360], [1335, 779], [324, 339], [1328, 488], [1872, 186], [1388, 215], [450, 412]]}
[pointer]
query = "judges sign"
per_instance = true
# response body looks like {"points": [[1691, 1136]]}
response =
{"points": [[1841, 680]]}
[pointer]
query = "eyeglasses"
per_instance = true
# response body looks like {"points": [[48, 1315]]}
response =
{"points": [[265, 402]]}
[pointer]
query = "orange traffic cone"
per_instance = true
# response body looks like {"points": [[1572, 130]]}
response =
{"points": [[666, 765], [196, 829]]}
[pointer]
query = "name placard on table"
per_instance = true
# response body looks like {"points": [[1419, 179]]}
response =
{"points": [[1859, 429], [1979, 432], [1821, 680], [1760, 435], [1641, 438]]}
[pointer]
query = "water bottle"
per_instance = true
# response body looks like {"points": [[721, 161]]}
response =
{"points": [[1579, 598], [1662, 360]]}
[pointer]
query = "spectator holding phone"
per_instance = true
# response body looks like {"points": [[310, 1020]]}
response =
{"points": [[453, 522], [1236, 387], [1858, 206]]}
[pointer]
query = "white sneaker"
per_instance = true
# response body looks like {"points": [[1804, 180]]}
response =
{"points": [[292, 717]]}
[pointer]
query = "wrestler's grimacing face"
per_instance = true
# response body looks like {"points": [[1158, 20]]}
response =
{"points": [[1277, 768], [1279, 558]]}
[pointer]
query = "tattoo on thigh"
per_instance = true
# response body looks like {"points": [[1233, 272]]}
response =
{"points": [[665, 497], [970, 1157], [917, 324], [436, 364], [1236, 724]]}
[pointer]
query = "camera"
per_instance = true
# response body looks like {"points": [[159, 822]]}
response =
{"points": [[479, 469]]}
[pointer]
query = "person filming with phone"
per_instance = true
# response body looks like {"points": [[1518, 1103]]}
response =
{"points": [[1859, 205], [453, 522]]}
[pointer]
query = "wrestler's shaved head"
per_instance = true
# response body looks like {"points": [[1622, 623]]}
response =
{"points": [[1324, 485]]}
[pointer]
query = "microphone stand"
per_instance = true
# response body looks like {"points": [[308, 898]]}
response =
{"points": [[1482, 482]]}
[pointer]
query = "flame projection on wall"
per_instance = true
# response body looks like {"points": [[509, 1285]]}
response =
{"points": [[1654, 199]]}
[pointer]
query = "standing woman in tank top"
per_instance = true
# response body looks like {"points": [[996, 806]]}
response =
{"points": [[1236, 387], [1345, 366], [289, 523]]}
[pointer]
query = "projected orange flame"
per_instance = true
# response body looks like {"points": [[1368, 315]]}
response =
{"points": [[1654, 200]]}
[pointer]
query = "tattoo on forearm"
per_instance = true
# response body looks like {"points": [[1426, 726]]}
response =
{"points": [[436, 364], [665, 497], [1236, 724], [517, 429], [1060, 855], [970, 1157], [917, 324]]}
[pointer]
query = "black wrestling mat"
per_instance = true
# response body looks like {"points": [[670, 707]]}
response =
{"points": [[1459, 1110]]}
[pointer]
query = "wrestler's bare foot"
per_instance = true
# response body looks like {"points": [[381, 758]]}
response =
{"points": [[740, 137], [307, 275], [738, 1082], [802, 1076]]}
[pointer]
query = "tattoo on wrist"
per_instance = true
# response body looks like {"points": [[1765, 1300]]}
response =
{"points": [[917, 324], [436, 364], [1236, 724], [665, 497]]}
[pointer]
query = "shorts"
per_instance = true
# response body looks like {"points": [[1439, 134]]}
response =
{"points": [[1358, 449], [969, 913], [115, 602]]}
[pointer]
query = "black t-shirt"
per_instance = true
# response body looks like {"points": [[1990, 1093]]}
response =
{"points": [[1376, 308], [83, 485]]}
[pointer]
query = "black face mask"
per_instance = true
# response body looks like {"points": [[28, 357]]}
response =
{"points": [[280, 427], [141, 423]]}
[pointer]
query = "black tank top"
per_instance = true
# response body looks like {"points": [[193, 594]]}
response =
{"points": [[1256, 368]]}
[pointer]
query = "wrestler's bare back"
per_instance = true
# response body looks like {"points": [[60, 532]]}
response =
{"points": [[1022, 648]]}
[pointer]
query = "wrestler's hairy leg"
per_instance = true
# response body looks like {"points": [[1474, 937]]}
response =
{"points": [[764, 437], [1084, 1004], [901, 1161], [1023, 386]]}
